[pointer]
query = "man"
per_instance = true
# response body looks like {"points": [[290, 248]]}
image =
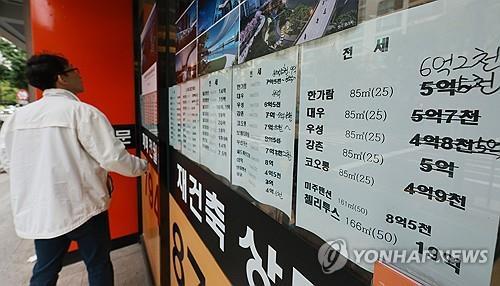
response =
{"points": [[57, 152]]}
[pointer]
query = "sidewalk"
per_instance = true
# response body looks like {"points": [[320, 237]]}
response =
{"points": [[128, 262]]}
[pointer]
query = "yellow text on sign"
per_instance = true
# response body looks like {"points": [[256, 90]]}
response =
{"points": [[191, 263], [150, 219]]}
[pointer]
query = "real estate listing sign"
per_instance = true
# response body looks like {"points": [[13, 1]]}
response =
{"points": [[399, 141], [190, 118], [216, 91], [264, 93], [175, 117]]}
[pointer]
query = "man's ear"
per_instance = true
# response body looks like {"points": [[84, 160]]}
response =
{"points": [[60, 81]]}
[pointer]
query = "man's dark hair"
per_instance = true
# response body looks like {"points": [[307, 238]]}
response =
{"points": [[42, 70]]}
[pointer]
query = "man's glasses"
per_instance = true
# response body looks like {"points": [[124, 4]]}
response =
{"points": [[70, 70]]}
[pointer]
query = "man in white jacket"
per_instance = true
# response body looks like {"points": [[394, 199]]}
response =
{"points": [[57, 152]]}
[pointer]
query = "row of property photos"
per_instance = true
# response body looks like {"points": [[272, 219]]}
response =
{"points": [[217, 34], [397, 144]]}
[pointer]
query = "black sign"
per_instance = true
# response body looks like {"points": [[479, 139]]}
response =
{"points": [[247, 243], [126, 134]]}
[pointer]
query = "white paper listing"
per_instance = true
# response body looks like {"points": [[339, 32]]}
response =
{"points": [[149, 107], [191, 119], [175, 120], [215, 152], [264, 101], [399, 139]]}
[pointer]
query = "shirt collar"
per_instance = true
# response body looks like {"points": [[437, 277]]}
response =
{"points": [[60, 93]]}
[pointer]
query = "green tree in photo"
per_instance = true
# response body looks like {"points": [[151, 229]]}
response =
{"points": [[298, 18], [12, 62], [7, 92]]}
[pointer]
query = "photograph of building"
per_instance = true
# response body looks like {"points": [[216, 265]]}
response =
{"points": [[273, 25], [187, 26], [186, 63], [218, 47], [345, 15], [211, 11], [329, 16], [149, 46]]}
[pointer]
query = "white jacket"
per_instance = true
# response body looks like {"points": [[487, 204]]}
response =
{"points": [[57, 152]]}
